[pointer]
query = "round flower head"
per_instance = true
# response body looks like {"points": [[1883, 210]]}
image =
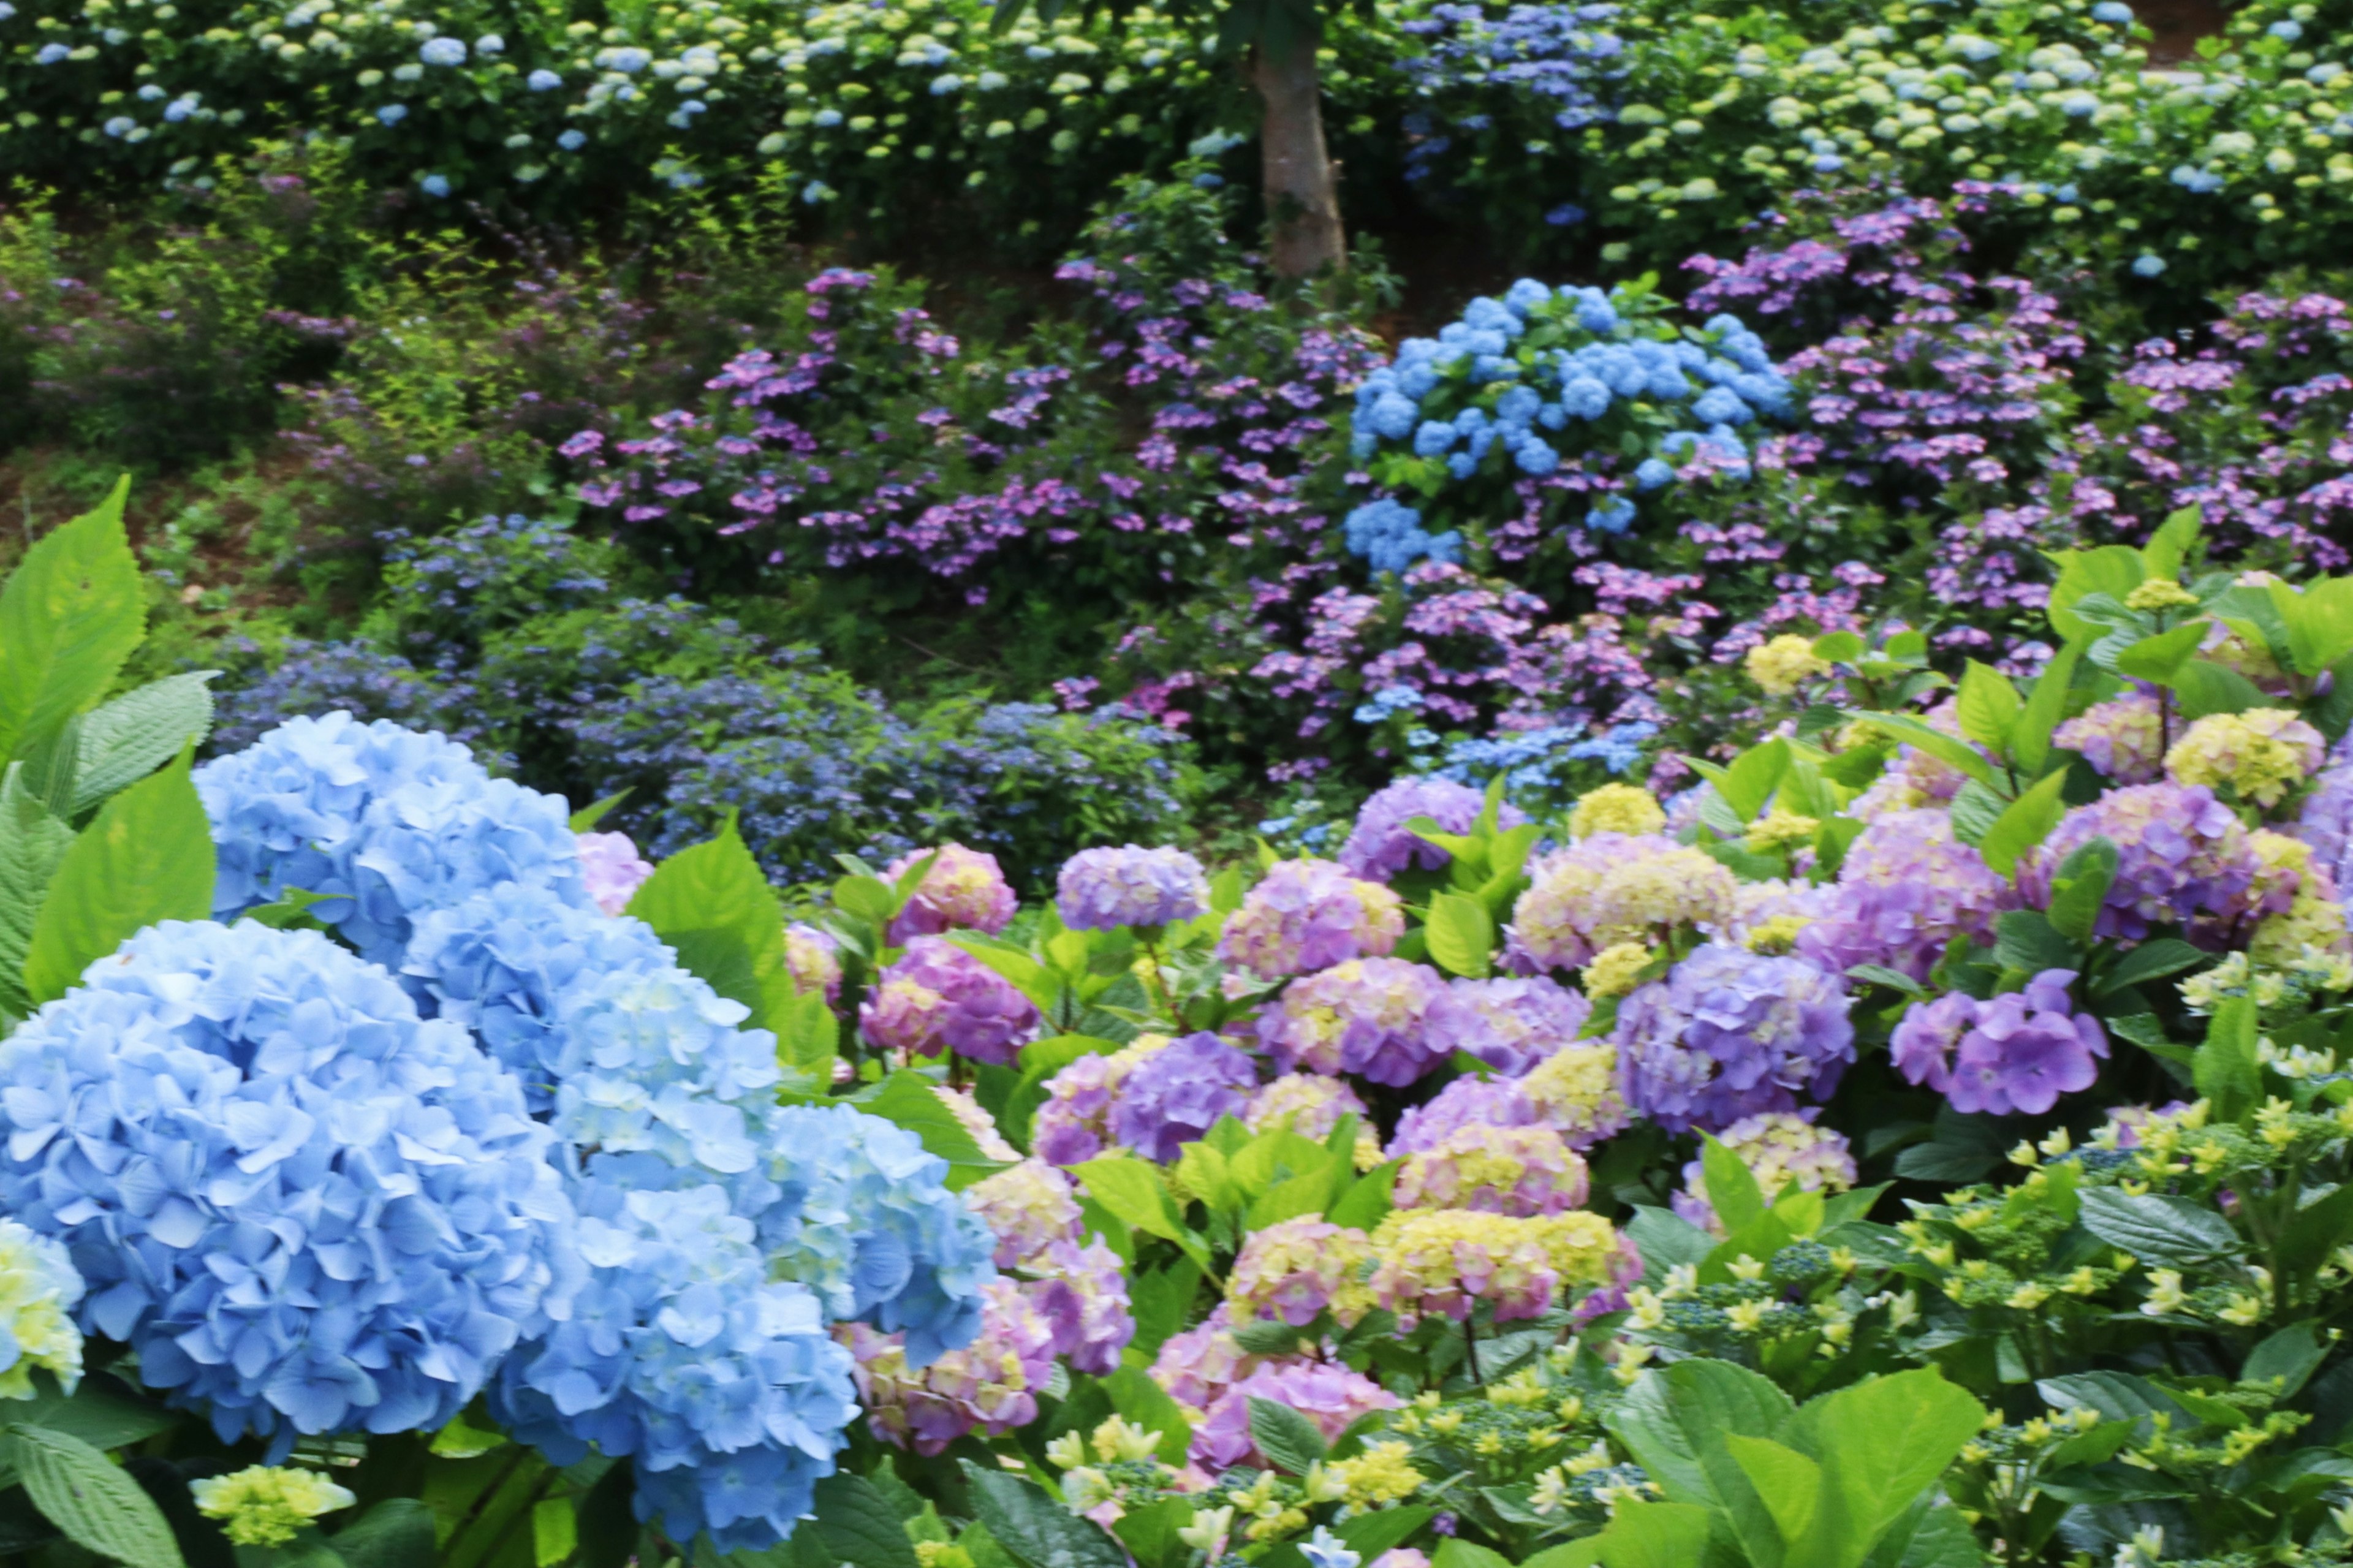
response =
{"points": [[1179, 1094], [2261, 754], [991, 1385], [1073, 1123], [2181, 855], [813, 959], [1026, 1206], [1101, 890], [2123, 739], [591, 1010], [1615, 970], [1083, 1293], [1519, 1170], [682, 1354], [966, 890], [38, 1292], [1623, 808], [262, 1505], [1305, 915], [1906, 888], [1785, 663], [611, 869], [384, 824], [2326, 822], [1311, 1105], [1449, 1260], [2019, 1051], [1729, 1034], [938, 998], [1614, 888], [1468, 1104], [1331, 1396], [1770, 916], [1202, 1362], [1574, 1091], [307, 1210], [1296, 1269], [1381, 844], [2314, 919], [1381, 1017], [1519, 1023], [1777, 1149]]}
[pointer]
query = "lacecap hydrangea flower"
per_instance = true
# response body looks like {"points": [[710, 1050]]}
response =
{"points": [[611, 869], [1381, 1017], [1305, 915], [991, 1385], [2181, 854], [1906, 888], [1176, 1094], [1612, 888], [1380, 844], [813, 959], [383, 823], [306, 1209], [1520, 1020], [2122, 737], [2018, 1051], [1329, 1395], [1101, 889], [1296, 1269], [719, 1383], [264, 1505], [1778, 1149], [2261, 754], [1448, 1260], [938, 998], [1072, 1124], [1311, 1105], [38, 1292], [1523, 1170], [966, 890], [1730, 1033]]}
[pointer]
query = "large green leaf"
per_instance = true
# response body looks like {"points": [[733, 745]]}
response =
{"points": [[713, 907], [2030, 738], [1879, 1443], [1654, 1535], [2114, 569], [1732, 1189], [69, 615], [1674, 1420], [1145, 1404], [1461, 935], [32, 842], [1948, 749], [2228, 1068], [2207, 687], [1788, 1483], [87, 1496], [1289, 1440], [138, 732], [2025, 822], [1988, 705], [395, 1533], [858, 1524], [1036, 1530], [2169, 1232], [148, 857]]}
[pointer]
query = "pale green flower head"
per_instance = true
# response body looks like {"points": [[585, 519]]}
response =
{"points": [[266, 1505]]}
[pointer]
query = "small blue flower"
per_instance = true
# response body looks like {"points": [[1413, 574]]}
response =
{"points": [[489, 44], [391, 114], [442, 52], [1585, 397], [2287, 30], [945, 84], [1653, 473], [572, 141], [1432, 439], [435, 185], [1393, 417], [2148, 265], [2113, 11], [1525, 294], [1721, 405], [1534, 457], [2199, 182], [543, 80], [1328, 1551], [51, 54], [826, 117], [1615, 515]]}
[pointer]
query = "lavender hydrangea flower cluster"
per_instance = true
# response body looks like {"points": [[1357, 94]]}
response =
{"points": [[2181, 854], [1518, 1021], [2019, 1051], [1380, 844], [1778, 1149], [1073, 1125], [2122, 737], [1177, 1094], [966, 890], [2325, 823], [611, 869], [813, 959], [384, 824], [307, 1210], [1101, 889], [1306, 915], [939, 998], [1077, 1284], [1730, 1033], [1381, 1017], [1906, 888]]}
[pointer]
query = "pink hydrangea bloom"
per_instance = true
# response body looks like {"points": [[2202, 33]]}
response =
{"points": [[611, 866], [1305, 915], [937, 997], [966, 890], [1331, 1396]]}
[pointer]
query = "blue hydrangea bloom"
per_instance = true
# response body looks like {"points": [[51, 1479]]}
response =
{"points": [[1614, 515], [1653, 473], [543, 80], [719, 1384], [383, 822], [1586, 397], [1720, 405], [307, 1210], [1393, 415], [1433, 437], [1595, 313], [442, 52], [2148, 265], [1533, 457], [1525, 294]]}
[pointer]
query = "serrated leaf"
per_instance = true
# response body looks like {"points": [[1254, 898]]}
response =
{"points": [[2030, 738], [2150, 960], [1289, 1440], [2027, 821], [2025, 940], [69, 615], [2169, 1232], [1749, 782], [858, 1524], [147, 856], [131, 737], [2207, 687], [1951, 750], [1732, 1189], [85, 1495], [398, 1533], [2080, 888], [1974, 811], [2228, 1068], [1988, 705], [1038, 1532], [32, 842], [1461, 935], [2160, 658]]}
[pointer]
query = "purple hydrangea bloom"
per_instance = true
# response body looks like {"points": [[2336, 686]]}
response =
{"points": [[1130, 886], [2181, 855], [1512, 1024], [2016, 1052], [1906, 888], [965, 888], [1380, 844], [1081, 1292], [939, 998], [1179, 1094], [1306, 915], [2327, 824], [1729, 1034], [1382, 1017], [1465, 1102]]}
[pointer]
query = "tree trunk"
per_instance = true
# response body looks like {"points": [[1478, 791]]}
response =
{"points": [[1302, 196]]}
